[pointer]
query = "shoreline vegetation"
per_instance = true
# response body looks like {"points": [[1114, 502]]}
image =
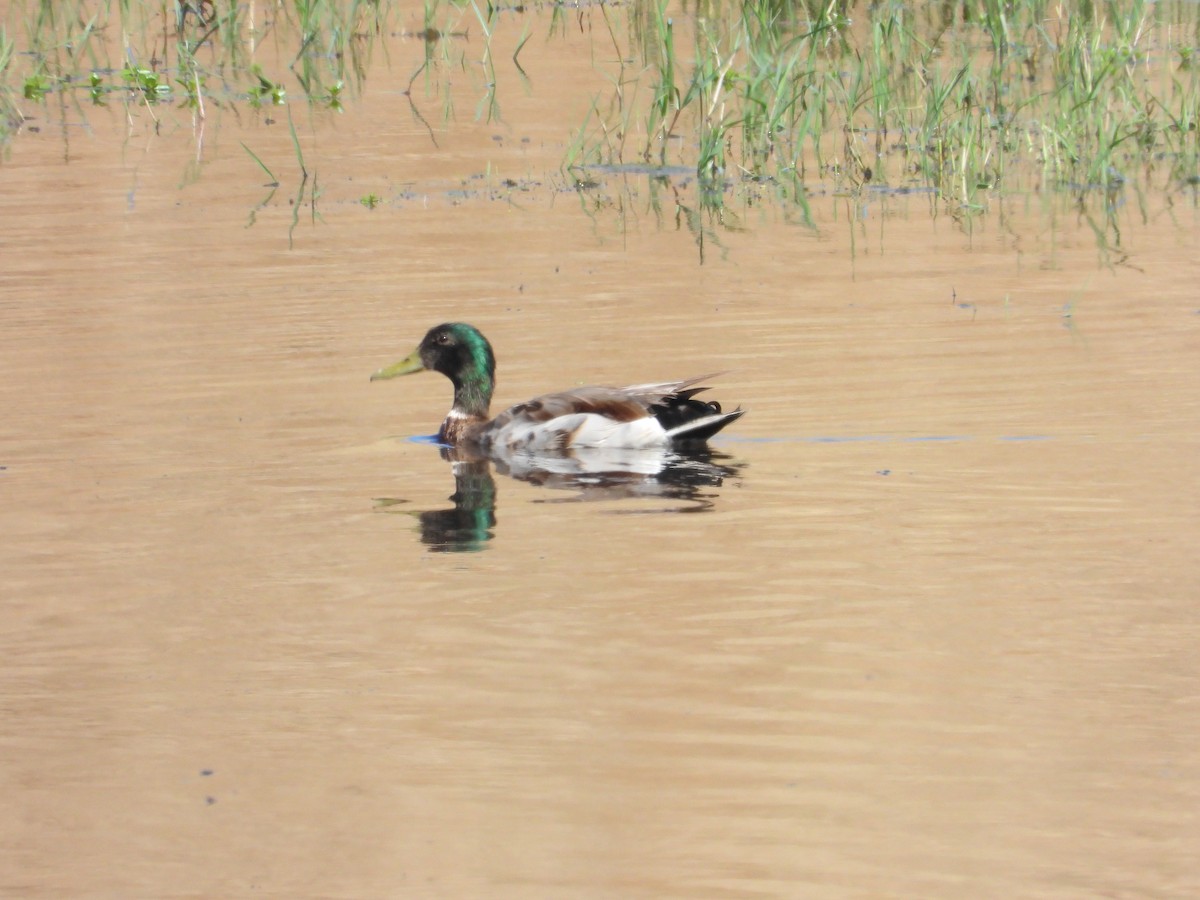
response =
{"points": [[961, 99]]}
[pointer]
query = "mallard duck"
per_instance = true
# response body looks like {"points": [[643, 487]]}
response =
{"points": [[638, 416]]}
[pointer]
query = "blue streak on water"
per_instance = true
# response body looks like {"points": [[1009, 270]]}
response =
{"points": [[878, 439], [847, 439]]}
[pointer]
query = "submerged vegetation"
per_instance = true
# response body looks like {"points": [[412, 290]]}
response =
{"points": [[958, 98], [188, 52]]}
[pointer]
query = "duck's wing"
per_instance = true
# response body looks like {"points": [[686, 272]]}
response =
{"points": [[586, 416], [661, 391], [596, 416]]}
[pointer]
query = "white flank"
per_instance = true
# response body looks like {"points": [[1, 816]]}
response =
{"points": [[581, 430]]}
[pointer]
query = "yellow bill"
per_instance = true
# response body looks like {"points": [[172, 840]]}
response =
{"points": [[408, 365]]}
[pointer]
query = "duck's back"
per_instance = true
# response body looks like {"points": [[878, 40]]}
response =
{"points": [[637, 416]]}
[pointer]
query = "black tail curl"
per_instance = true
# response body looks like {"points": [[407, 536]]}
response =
{"points": [[679, 409]]}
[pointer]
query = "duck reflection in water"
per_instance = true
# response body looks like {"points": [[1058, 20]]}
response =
{"points": [[686, 480], [645, 440]]}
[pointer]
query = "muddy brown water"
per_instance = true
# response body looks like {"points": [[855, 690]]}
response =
{"points": [[933, 635]]}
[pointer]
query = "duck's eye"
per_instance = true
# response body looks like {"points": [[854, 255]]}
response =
{"points": [[442, 338]]}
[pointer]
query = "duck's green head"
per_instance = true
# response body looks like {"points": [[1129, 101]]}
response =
{"points": [[463, 355]]}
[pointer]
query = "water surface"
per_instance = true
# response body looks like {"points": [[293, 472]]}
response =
{"points": [[932, 634]]}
